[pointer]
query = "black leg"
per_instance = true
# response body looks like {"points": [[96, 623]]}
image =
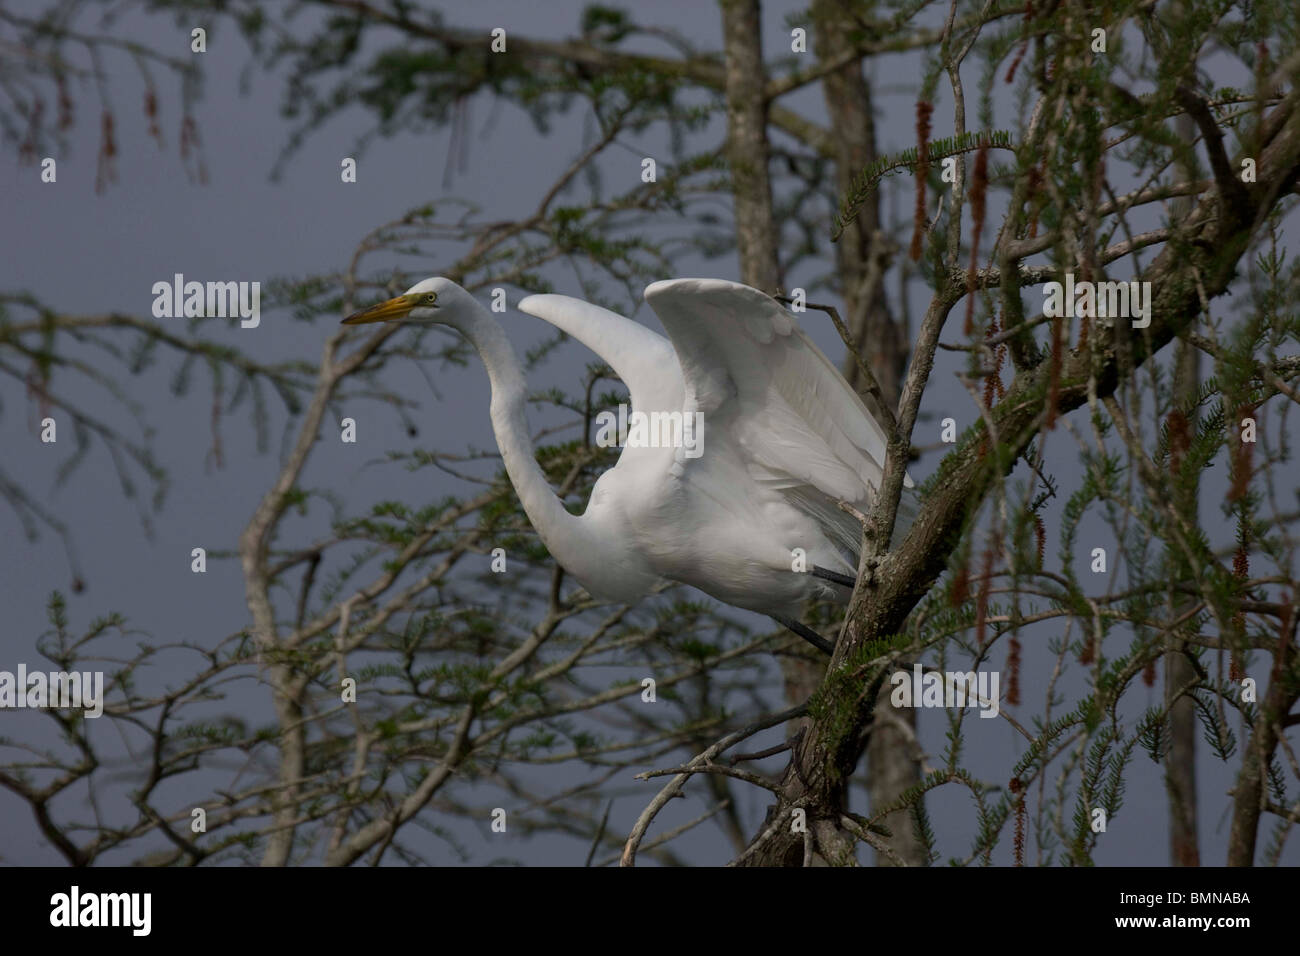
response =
{"points": [[833, 576], [807, 633]]}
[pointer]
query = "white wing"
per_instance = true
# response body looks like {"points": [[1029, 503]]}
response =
{"points": [[751, 370], [643, 359]]}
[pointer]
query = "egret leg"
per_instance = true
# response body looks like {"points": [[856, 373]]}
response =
{"points": [[833, 576], [807, 633]]}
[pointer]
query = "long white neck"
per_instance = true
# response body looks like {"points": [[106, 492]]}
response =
{"points": [[579, 548]]}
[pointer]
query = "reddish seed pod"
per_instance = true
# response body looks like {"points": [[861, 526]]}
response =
{"points": [[1013, 672]]}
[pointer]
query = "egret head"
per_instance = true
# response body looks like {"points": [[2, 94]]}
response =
{"points": [[433, 300]]}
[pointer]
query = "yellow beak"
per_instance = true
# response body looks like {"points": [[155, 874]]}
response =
{"points": [[397, 308]]}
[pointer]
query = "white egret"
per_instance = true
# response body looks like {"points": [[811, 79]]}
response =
{"points": [[785, 438]]}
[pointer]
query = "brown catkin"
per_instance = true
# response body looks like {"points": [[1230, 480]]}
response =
{"points": [[1149, 673], [1089, 653], [923, 111], [1017, 788], [1240, 571], [982, 607], [38, 381], [1013, 672], [1024, 44], [189, 135], [35, 116], [65, 104], [110, 137], [1241, 457], [1020, 831], [960, 586], [107, 166], [151, 114]]}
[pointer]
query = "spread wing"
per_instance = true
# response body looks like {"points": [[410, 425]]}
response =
{"points": [[748, 367], [643, 359]]}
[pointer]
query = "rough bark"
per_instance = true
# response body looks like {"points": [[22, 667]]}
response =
{"points": [[862, 260], [1251, 792], [747, 146], [862, 253]]}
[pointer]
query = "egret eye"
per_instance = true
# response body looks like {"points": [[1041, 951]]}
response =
{"points": [[431, 298]]}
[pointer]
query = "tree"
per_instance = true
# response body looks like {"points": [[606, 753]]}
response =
{"points": [[462, 692]]}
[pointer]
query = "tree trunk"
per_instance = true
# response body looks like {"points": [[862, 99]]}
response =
{"points": [[1180, 761], [747, 147], [862, 258], [756, 233], [1250, 793]]}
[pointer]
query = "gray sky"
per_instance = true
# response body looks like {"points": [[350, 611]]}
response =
{"points": [[83, 252]]}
